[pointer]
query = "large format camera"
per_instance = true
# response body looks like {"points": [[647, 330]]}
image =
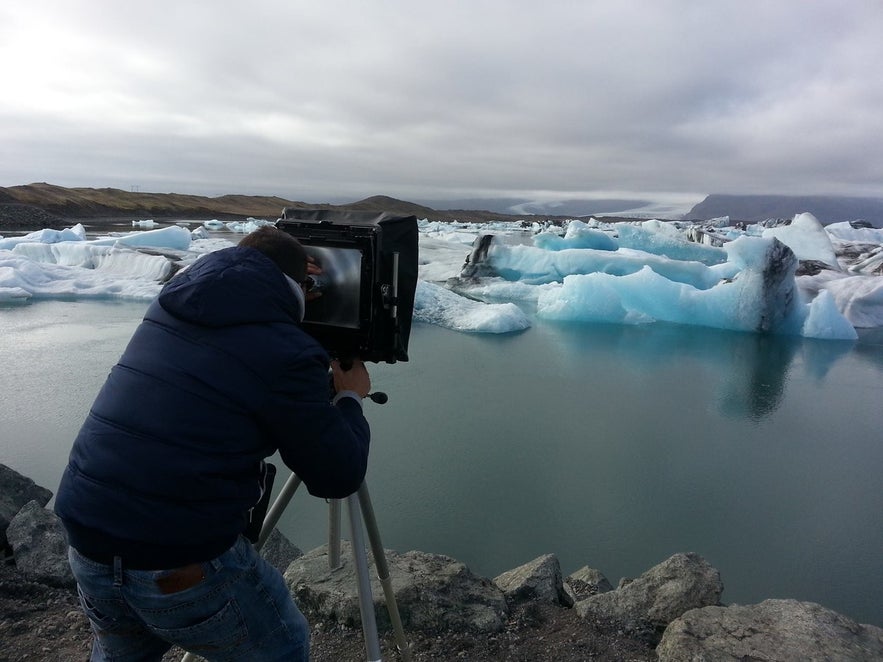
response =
{"points": [[367, 284]]}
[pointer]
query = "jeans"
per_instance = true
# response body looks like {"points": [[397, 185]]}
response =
{"points": [[241, 610]]}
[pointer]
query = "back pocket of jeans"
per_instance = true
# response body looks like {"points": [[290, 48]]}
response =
{"points": [[221, 631], [103, 613]]}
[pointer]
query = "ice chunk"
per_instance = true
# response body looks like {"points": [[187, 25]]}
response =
{"points": [[807, 238], [761, 297], [173, 237], [436, 305], [666, 239], [534, 265], [123, 274], [577, 235], [824, 320], [46, 236], [859, 298], [248, 225], [846, 232]]}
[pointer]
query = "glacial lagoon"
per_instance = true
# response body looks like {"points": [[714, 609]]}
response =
{"points": [[610, 446]]}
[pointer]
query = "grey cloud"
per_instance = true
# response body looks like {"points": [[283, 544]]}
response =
{"points": [[432, 98]]}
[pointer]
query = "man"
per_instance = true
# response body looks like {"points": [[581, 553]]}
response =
{"points": [[168, 464]]}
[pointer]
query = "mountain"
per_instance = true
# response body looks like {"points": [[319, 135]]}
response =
{"points": [[110, 202], [573, 208], [48, 205], [755, 208]]}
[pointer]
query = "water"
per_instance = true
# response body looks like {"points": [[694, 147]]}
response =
{"points": [[610, 446]]}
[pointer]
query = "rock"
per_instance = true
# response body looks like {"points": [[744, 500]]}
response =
{"points": [[771, 630], [585, 583], [40, 545], [19, 215], [15, 492], [538, 580], [279, 551], [434, 592], [650, 602]]}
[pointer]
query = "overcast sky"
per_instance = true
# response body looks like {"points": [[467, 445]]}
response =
{"points": [[663, 100]]}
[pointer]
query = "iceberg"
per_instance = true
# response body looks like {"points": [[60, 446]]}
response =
{"points": [[65, 264], [754, 288], [434, 304], [807, 238], [490, 278], [667, 240]]}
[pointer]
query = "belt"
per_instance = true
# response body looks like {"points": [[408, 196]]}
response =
{"points": [[180, 579]]}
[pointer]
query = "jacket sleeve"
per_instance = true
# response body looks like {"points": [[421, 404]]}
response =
{"points": [[325, 444]]}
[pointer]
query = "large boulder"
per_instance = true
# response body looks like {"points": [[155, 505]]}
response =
{"points": [[539, 579], [39, 544], [434, 592], [771, 630], [585, 583], [279, 551], [15, 492], [646, 605]]}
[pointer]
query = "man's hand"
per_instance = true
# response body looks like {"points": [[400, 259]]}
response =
{"points": [[355, 379]]}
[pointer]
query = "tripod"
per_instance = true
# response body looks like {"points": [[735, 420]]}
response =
{"points": [[358, 506]]}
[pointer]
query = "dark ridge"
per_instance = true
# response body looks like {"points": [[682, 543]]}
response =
{"points": [[90, 203], [756, 208]]}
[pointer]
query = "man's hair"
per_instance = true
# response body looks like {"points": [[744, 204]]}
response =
{"points": [[286, 251]]}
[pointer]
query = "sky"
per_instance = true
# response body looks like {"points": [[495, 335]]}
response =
{"points": [[662, 101]]}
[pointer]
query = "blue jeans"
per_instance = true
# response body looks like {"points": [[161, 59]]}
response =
{"points": [[240, 610]]}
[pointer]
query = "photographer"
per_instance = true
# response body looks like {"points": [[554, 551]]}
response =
{"points": [[169, 462]]}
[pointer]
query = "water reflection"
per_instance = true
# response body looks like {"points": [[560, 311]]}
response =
{"points": [[752, 370], [608, 445], [754, 382]]}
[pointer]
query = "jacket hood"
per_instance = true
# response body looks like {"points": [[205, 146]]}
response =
{"points": [[228, 287]]}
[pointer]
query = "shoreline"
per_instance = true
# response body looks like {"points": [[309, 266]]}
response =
{"points": [[670, 613]]}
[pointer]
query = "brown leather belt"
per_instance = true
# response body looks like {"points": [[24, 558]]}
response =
{"points": [[180, 579]]}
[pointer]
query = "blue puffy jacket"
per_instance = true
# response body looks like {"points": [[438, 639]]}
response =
{"points": [[218, 376]]}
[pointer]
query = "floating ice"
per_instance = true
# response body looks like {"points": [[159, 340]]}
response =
{"points": [[535, 265], [173, 237], [807, 238], [128, 276], [436, 305], [667, 240], [63, 263], [846, 232], [577, 235], [248, 225], [753, 289], [824, 320], [76, 233]]}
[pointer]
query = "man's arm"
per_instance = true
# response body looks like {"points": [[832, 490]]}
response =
{"points": [[325, 444]]}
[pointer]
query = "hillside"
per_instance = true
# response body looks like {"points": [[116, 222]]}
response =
{"points": [[47, 205], [756, 208]]}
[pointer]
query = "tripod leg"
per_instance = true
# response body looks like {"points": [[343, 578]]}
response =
{"points": [[366, 600], [333, 534], [276, 510], [383, 571]]}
